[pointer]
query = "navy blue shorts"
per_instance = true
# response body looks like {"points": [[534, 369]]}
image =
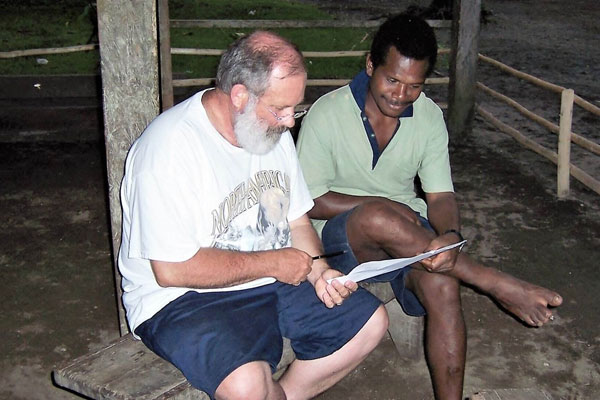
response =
{"points": [[208, 335], [335, 238]]}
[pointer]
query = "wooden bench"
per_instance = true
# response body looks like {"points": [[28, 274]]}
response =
{"points": [[126, 369]]}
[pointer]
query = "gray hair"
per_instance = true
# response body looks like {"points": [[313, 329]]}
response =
{"points": [[251, 59]]}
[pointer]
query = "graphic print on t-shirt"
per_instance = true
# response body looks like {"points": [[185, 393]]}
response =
{"points": [[254, 215]]}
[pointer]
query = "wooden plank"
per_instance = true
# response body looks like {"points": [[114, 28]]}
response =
{"points": [[463, 66], [52, 50], [309, 82], [129, 61], [271, 23], [511, 394], [315, 54], [126, 369]]}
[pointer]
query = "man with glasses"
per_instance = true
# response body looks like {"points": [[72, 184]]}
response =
{"points": [[217, 254], [361, 148]]}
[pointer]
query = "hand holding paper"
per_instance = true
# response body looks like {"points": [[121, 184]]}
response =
{"points": [[373, 268]]}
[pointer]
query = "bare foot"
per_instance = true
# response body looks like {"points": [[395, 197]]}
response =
{"points": [[530, 303]]}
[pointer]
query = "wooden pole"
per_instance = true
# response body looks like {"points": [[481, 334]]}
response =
{"points": [[129, 62], [564, 143], [463, 67], [166, 71]]}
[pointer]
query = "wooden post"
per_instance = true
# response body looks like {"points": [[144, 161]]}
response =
{"points": [[129, 60], [564, 143], [166, 71], [463, 66]]}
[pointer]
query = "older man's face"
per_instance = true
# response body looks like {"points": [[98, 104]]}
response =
{"points": [[259, 126], [254, 134]]}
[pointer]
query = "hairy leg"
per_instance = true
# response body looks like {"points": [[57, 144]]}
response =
{"points": [[304, 379], [251, 381], [445, 332]]}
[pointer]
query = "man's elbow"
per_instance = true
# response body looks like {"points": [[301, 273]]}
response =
{"points": [[319, 210], [165, 276]]}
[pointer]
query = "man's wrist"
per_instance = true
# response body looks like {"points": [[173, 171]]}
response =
{"points": [[457, 233], [459, 236]]}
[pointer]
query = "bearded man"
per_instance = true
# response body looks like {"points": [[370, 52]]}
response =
{"points": [[198, 184]]}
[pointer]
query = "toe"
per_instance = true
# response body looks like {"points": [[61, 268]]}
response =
{"points": [[556, 300]]}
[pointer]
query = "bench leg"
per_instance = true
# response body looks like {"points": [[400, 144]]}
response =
{"points": [[406, 331]]}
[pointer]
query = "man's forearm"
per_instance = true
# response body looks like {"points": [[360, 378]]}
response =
{"points": [[213, 268], [305, 238], [442, 212]]}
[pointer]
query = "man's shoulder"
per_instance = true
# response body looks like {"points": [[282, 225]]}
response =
{"points": [[335, 98], [426, 106]]}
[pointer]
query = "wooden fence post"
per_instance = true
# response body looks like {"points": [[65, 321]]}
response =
{"points": [[564, 143], [463, 67], [166, 70], [129, 61]]}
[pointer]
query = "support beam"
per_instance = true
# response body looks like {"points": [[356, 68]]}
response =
{"points": [[463, 68], [127, 32], [166, 70]]}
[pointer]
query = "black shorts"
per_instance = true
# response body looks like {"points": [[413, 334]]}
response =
{"points": [[208, 335]]}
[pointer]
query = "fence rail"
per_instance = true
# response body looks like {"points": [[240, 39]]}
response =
{"points": [[564, 131], [283, 23], [52, 50], [586, 105]]}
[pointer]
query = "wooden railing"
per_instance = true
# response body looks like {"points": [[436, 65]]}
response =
{"points": [[168, 85], [564, 129]]}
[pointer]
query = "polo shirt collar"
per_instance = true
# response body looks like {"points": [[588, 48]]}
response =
{"points": [[359, 88]]}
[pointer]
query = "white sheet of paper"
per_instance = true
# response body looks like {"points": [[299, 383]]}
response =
{"points": [[373, 268]]}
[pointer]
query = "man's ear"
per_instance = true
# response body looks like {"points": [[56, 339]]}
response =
{"points": [[369, 65], [239, 96]]}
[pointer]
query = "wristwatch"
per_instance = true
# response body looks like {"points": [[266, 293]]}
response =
{"points": [[460, 237]]}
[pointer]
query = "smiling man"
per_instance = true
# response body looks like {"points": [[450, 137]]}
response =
{"points": [[361, 148], [216, 251]]}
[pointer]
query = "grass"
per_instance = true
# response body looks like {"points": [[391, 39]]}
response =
{"points": [[31, 24], [43, 24]]}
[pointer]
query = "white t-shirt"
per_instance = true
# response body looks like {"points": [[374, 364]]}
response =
{"points": [[186, 187]]}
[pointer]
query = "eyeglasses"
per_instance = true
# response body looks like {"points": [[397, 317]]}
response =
{"points": [[295, 115]]}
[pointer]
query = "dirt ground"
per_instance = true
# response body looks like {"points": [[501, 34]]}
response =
{"points": [[57, 290]]}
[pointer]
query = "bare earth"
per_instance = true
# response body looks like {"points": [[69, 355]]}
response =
{"points": [[57, 286]]}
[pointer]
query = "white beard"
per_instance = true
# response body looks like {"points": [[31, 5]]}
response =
{"points": [[252, 134]]}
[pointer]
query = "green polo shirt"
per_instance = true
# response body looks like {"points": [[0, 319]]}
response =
{"points": [[338, 151]]}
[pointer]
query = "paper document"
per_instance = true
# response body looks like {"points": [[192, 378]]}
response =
{"points": [[373, 268]]}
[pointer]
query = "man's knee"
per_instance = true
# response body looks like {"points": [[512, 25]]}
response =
{"points": [[378, 217], [438, 290], [377, 326], [251, 381]]}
